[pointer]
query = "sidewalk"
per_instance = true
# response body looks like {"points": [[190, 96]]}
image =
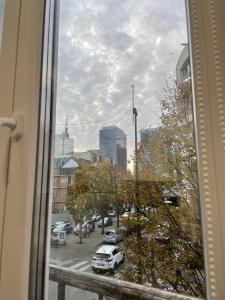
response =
{"points": [[75, 250]]}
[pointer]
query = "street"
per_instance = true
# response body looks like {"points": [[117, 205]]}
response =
{"points": [[76, 256]]}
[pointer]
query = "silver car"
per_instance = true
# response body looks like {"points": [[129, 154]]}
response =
{"points": [[112, 236]]}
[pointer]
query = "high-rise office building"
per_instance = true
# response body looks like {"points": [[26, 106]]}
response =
{"points": [[183, 70], [183, 67], [113, 144], [149, 133]]}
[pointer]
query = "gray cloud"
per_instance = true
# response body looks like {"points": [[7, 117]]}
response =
{"points": [[104, 47]]}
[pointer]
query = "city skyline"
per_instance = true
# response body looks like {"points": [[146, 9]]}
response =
{"points": [[112, 146], [101, 56]]}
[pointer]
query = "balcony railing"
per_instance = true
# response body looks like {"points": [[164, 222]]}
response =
{"points": [[105, 286]]}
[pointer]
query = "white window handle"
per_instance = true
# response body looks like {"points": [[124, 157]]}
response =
{"points": [[15, 123]]}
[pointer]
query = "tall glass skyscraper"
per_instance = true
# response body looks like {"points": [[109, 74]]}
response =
{"points": [[113, 144]]}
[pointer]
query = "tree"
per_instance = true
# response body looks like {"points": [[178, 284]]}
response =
{"points": [[170, 250], [92, 189], [78, 201], [101, 182], [118, 190]]}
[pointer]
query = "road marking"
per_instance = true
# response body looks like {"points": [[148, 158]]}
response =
{"points": [[61, 263], [66, 262], [73, 266], [53, 261], [78, 265], [85, 268]]}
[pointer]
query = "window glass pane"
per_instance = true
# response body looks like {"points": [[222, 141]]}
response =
{"points": [[125, 157], [2, 4]]}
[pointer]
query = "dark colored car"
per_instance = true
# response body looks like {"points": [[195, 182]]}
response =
{"points": [[91, 225], [107, 222]]}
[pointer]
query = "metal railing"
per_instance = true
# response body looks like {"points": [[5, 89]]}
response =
{"points": [[105, 286]]}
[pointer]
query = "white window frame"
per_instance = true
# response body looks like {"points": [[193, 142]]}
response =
{"points": [[206, 19]]}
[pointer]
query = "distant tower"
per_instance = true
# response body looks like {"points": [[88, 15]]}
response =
{"points": [[113, 145], [64, 145], [66, 134]]}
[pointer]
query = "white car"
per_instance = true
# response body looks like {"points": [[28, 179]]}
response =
{"points": [[106, 258], [85, 227], [96, 217], [111, 213], [125, 215]]}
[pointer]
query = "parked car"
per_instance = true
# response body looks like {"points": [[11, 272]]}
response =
{"points": [[107, 222], [91, 225], [87, 227], [111, 213], [63, 227], [106, 258], [112, 236], [76, 230], [88, 217], [53, 226], [125, 215], [96, 217]]}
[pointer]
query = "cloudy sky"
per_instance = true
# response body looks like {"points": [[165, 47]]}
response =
{"points": [[104, 47]]}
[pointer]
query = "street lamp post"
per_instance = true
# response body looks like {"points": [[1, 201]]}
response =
{"points": [[137, 205], [135, 114]]}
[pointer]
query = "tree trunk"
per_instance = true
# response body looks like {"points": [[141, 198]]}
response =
{"points": [[103, 228], [153, 275], [139, 264], [117, 219], [80, 233]]}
